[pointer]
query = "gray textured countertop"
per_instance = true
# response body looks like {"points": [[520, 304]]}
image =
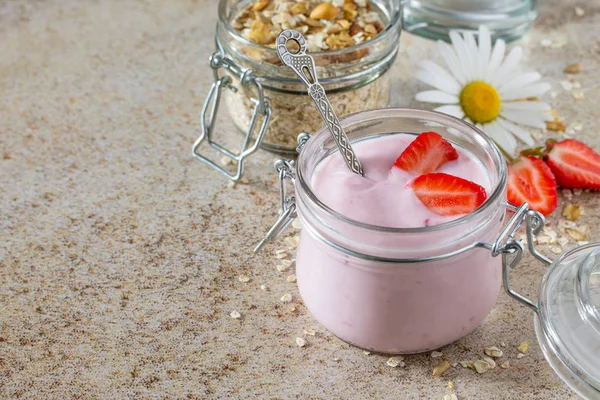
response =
{"points": [[120, 254]]}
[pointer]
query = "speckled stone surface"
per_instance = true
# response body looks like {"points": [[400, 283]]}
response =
{"points": [[120, 253]]}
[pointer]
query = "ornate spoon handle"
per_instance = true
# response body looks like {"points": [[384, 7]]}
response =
{"points": [[304, 66]]}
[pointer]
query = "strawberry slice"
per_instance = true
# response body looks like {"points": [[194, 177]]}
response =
{"points": [[426, 154], [574, 164], [446, 194], [530, 180]]}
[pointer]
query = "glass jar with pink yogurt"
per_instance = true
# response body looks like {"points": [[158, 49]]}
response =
{"points": [[380, 287]]}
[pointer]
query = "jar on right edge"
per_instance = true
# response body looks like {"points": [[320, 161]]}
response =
{"points": [[434, 19]]}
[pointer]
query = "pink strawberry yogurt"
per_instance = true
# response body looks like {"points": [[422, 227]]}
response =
{"points": [[407, 306]]}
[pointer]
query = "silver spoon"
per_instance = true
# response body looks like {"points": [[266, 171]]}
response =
{"points": [[304, 66]]}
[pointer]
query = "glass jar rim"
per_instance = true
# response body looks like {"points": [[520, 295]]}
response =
{"points": [[395, 19], [432, 116]]}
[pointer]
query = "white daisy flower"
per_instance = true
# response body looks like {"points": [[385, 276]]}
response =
{"points": [[484, 87]]}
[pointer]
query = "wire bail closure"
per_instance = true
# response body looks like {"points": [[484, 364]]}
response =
{"points": [[262, 110]]}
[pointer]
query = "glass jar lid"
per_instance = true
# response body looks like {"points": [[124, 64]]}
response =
{"points": [[568, 321]]}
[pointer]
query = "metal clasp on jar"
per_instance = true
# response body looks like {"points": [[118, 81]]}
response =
{"points": [[286, 170], [262, 110]]}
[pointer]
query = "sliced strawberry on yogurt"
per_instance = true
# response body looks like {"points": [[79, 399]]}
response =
{"points": [[574, 164], [446, 194], [428, 152], [530, 180]]}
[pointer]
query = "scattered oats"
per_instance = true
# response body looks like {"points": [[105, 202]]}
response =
{"points": [[281, 268], [290, 242], [231, 184], [366, 353], [235, 315], [297, 224], [395, 361], [490, 361], [577, 126], [580, 12], [310, 332], [435, 354], [467, 364], [300, 342], [577, 192], [286, 298], [450, 397], [520, 355], [582, 242], [451, 384], [454, 365], [281, 254], [573, 68], [543, 239], [556, 126], [578, 94], [546, 42], [578, 233], [493, 352], [556, 249], [523, 346], [505, 365], [291, 309], [562, 241], [442, 367], [244, 278], [563, 224], [291, 278], [566, 85], [287, 263], [502, 344], [482, 366], [264, 287], [567, 193], [225, 160]]}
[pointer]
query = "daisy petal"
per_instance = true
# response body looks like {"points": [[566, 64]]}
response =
{"points": [[533, 90], [520, 133], [451, 61], [453, 110], [462, 53], [509, 64], [485, 44], [496, 58], [441, 78], [436, 96], [518, 82], [528, 118], [526, 105], [473, 54], [501, 136]]}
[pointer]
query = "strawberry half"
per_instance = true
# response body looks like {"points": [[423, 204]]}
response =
{"points": [[446, 194], [574, 164], [530, 180], [426, 154]]}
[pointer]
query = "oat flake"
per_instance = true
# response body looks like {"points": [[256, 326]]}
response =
{"points": [[450, 397], [520, 355], [235, 315], [395, 361], [291, 278], [493, 351], [435, 354], [300, 342], [244, 278], [310, 332], [286, 298], [523, 347]]}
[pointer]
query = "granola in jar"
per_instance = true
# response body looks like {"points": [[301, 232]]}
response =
{"points": [[353, 43]]}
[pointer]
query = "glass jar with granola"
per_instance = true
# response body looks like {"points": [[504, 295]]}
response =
{"points": [[353, 43]]}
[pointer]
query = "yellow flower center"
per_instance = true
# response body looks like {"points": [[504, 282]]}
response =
{"points": [[480, 102]]}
